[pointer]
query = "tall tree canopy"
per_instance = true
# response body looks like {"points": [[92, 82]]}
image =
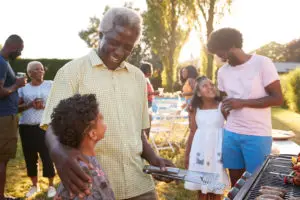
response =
{"points": [[208, 13], [167, 26]]}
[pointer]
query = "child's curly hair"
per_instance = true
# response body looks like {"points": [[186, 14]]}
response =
{"points": [[73, 117]]}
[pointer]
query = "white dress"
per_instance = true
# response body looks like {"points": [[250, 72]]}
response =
{"points": [[206, 151]]}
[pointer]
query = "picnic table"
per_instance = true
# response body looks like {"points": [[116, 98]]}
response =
{"points": [[282, 142], [281, 138]]}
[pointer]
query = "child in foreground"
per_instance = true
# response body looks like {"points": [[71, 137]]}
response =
{"points": [[77, 123]]}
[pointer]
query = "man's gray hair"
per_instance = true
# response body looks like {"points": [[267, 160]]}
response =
{"points": [[32, 64], [121, 16]]}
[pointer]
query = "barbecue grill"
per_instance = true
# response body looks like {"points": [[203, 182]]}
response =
{"points": [[271, 173]]}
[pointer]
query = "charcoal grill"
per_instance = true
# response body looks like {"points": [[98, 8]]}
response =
{"points": [[276, 165]]}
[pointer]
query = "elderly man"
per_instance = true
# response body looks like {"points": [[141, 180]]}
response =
{"points": [[252, 86], [121, 91], [9, 85]]}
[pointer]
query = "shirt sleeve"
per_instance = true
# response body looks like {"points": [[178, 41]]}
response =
{"points": [[3, 71], [145, 112], [220, 81], [269, 72], [63, 87]]}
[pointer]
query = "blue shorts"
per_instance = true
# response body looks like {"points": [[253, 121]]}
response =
{"points": [[245, 151]]}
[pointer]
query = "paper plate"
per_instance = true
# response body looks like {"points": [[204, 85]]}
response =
{"points": [[282, 134]]}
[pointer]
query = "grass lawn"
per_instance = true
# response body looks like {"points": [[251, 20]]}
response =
{"points": [[286, 120], [18, 184]]}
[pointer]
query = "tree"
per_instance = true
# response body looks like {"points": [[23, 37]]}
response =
{"points": [[167, 27], [277, 52], [293, 51], [208, 13], [289, 52], [91, 34]]}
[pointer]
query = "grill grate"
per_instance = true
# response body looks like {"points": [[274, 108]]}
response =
{"points": [[278, 164]]}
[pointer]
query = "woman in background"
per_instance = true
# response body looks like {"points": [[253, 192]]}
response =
{"points": [[188, 76], [32, 102]]}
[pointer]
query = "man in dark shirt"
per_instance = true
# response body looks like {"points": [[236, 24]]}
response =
{"points": [[9, 85]]}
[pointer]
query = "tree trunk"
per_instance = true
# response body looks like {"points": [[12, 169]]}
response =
{"points": [[167, 75], [209, 30], [209, 69]]}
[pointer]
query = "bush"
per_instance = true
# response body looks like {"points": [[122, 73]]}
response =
{"points": [[292, 90], [283, 83], [52, 66]]}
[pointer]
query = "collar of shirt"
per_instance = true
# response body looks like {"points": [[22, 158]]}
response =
{"points": [[97, 62]]}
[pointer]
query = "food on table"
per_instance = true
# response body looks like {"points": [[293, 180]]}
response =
{"points": [[269, 197], [273, 192], [274, 188], [292, 180]]}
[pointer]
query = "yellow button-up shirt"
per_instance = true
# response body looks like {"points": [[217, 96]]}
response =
{"points": [[122, 100]]}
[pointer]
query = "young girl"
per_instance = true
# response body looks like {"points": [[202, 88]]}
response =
{"points": [[203, 150], [78, 124]]}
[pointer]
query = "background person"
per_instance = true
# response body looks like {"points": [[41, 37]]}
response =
{"points": [[33, 98], [252, 86], [147, 69], [9, 85]]}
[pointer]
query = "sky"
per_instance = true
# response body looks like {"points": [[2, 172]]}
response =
{"points": [[50, 28]]}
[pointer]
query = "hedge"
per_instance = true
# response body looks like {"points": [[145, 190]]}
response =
{"points": [[291, 89], [52, 65]]}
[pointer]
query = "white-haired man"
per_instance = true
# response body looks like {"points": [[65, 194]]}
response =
{"points": [[9, 85], [121, 91]]}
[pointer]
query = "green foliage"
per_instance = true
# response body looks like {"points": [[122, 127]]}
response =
{"points": [[277, 52], [208, 13], [289, 52], [283, 83], [157, 69], [293, 49], [52, 66], [292, 90], [167, 27], [91, 35]]}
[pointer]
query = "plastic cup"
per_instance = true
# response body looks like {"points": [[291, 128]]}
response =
{"points": [[20, 75], [39, 102], [161, 91]]}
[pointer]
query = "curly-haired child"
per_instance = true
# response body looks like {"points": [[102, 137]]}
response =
{"points": [[77, 123]]}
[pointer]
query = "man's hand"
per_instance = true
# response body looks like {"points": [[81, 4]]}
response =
{"points": [[232, 104], [21, 82], [162, 163], [69, 171]]}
